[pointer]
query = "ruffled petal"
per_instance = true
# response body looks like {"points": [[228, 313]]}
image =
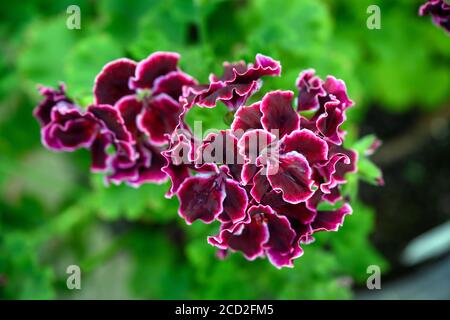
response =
{"points": [[159, 118], [292, 176], [343, 167], [282, 247], [337, 88], [246, 237], [111, 83], [235, 203], [331, 220], [330, 120], [69, 130], [201, 198], [52, 97], [278, 114], [308, 144], [156, 65], [260, 185], [235, 86], [254, 143], [247, 118], [328, 171], [113, 121], [172, 84], [298, 212], [310, 88], [99, 154], [130, 107]]}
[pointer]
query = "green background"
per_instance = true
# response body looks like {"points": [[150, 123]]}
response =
{"points": [[130, 243]]}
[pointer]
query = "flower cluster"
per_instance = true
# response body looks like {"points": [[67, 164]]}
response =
{"points": [[272, 180], [135, 106], [439, 11], [265, 178]]}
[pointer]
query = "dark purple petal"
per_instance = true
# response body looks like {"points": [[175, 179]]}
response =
{"points": [[308, 144], [235, 86], [249, 170], [177, 175], [159, 117], [151, 171], [229, 70], [281, 234], [439, 11], [328, 171], [126, 155], [292, 176], [113, 121], [69, 130], [235, 202], [310, 87], [247, 118], [220, 148], [172, 84], [334, 196], [201, 198], [99, 154], [337, 88], [247, 237], [328, 122], [111, 83], [280, 260], [156, 65], [231, 94], [282, 246], [255, 142], [278, 114], [260, 185], [52, 97], [331, 220], [130, 107], [295, 212], [343, 167], [135, 167], [263, 66]]}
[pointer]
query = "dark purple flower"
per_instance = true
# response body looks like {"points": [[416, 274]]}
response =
{"points": [[212, 196], [439, 11], [136, 107], [69, 129]]}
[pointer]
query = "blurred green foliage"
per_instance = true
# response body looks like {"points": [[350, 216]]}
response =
{"points": [[130, 243]]}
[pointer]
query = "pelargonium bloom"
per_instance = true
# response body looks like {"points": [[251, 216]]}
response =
{"points": [[136, 104], [267, 178], [272, 180], [439, 11]]}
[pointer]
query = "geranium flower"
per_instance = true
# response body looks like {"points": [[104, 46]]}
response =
{"points": [[269, 172], [135, 106]]}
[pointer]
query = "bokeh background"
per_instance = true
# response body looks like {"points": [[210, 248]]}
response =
{"points": [[130, 243]]}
